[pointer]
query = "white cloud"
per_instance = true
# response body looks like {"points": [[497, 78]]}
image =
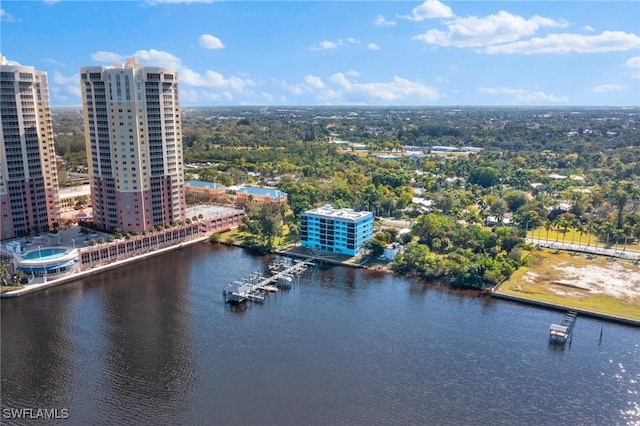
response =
{"points": [[428, 10], [472, 31], [608, 41], [381, 21], [323, 45], [524, 96], [339, 88], [294, 89], [268, 97], [158, 58], [210, 42], [214, 80], [314, 82], [373, 46], [397, 88], [7, 17], [110, 57], [60, 78], [588, 28], [634, 63], [328, 44], [341, 80], [310, 84], [50, 1], [352, 73], [604, 88], [66, 86], [54, 61], [5, 61], [189, 95]]}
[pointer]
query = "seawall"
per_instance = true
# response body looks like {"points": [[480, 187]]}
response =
{"points": [[564, 308]]}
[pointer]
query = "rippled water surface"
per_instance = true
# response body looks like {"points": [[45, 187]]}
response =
{"points": [[154, 343]]}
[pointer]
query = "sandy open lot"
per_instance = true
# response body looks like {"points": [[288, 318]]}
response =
{"points": [[616, 279], [597, 284]]}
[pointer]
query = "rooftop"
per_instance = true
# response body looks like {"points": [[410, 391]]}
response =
{"points": [[328, 211], [201, 184], [74, 191], [271, 192], [209, 211]]}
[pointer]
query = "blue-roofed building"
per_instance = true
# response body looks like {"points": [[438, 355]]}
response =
{"points": [[342, 231], [209, 190], [253, 195]]}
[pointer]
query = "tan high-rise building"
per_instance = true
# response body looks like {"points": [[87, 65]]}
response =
{"points": [[134, 145], [29, 201]]}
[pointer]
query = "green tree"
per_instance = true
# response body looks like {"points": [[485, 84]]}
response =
{"points": [[515, 199], [484, 176], [377, 244], [264, 224]]}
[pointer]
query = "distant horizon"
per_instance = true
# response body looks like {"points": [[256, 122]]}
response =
{"points": [[398, 106], [370, 53]]}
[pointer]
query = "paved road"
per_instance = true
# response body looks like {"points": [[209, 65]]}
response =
{"points": [[622, 253]]}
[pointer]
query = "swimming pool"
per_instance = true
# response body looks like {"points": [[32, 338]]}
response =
{"points": [[45, 253], [48, 261]]}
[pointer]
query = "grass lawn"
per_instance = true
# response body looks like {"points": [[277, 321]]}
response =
{"points": [[596, 284]]}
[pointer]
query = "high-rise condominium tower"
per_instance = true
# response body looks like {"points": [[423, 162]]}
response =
{"points": [[134, 145], [29, 201]]}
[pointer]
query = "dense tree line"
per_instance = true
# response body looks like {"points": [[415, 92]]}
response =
{"points": [[467, 256], [544, 168]]}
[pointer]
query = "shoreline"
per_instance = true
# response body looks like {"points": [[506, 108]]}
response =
{"points": [[492, 293], [564, 308], [32, 288]]}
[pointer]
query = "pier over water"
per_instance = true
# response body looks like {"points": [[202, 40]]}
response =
{"points": [[560, 333], [254, 286]]}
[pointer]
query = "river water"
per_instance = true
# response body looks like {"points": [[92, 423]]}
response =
{"points": [[154, 343]]}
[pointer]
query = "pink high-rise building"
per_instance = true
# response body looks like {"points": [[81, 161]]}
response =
{"points": [[134, 145], [28, 177]]}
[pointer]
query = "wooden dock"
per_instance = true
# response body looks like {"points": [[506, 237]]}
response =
{"points": [[560, 333], [255, 286]]}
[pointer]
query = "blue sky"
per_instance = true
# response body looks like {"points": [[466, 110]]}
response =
{"points": [[343, 52]]}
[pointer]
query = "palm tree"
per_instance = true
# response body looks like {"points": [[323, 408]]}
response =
{"points": [[590, 228], [617, 233], [580, 228], [547, 226], [574, 223], [608, 228]]}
